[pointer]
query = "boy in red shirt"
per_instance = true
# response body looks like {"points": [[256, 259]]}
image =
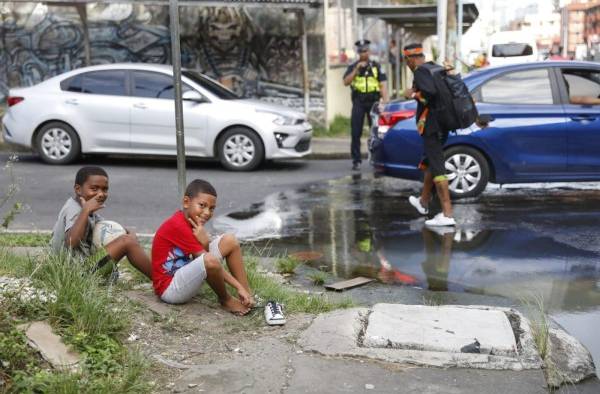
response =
{"points": [[183, 255]]}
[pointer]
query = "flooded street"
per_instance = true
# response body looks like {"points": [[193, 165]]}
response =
{"points": [[533, 244]]}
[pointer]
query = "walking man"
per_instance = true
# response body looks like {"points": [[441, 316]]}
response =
{"points": [[434, 138], [366, 80]]}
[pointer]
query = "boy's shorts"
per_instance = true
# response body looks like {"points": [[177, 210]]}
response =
{"points": [[188, 279]]}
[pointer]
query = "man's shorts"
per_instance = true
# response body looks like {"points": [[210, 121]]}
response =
{"points": [[188, 279], [433, 158]]}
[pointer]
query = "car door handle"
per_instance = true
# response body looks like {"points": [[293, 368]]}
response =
{"points": [[72, 102], [140, 106], [583, 118]]}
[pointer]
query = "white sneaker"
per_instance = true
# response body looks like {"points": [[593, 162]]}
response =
{"points": [[440, 220], [416, 202], [274, 314], [442, 230]]}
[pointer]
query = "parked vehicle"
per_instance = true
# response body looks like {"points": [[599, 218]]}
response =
{"points": [[129, 109], [510, 47], [543, 128]]}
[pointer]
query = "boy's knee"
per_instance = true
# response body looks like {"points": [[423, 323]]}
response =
{"points": [[230, 241], [211, 263]]}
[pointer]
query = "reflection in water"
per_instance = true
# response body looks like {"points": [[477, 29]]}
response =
{"points": [[514, 246]]}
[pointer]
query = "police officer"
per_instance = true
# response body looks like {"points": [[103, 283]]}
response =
{"points": [[366, 80]]}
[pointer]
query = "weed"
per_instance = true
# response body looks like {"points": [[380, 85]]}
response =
{"points": [[540, 326], [8, 194], [318, 278], [286, 265], [26, 239], [340, 126]]}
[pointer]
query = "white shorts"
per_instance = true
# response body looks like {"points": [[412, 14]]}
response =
{"points": [[188, 280]]}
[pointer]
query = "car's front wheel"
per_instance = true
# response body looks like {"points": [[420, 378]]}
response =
{"points": [[240, 149], [58, 143], [467, 170]]}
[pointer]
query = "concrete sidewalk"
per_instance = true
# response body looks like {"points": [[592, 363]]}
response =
{"points": [[322, 148], [334, 148]]}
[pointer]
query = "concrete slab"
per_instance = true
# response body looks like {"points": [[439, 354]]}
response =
{"points": [[439, 329], [315, 374], [150, 301], [340, 334], [50, 345]]}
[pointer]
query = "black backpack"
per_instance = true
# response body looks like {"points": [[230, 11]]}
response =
{"points": [[454, 107]]}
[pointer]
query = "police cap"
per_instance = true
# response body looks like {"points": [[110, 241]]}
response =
{"points": [[362, 45]]}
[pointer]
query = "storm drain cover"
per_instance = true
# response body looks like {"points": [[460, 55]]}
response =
{"points": [[440, 329]]}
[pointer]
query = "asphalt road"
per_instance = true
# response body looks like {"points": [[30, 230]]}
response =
{"points": [[143, 192]]}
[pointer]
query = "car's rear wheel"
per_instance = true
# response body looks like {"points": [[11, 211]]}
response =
{"points": [[58, 143], [240, 149], [468, 171]]}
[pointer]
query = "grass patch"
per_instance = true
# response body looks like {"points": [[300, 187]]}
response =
{"points": [[540, 326], [318, 278], [24, 239], [86, 313], [268, 288], [339, 127], [286, 265]]}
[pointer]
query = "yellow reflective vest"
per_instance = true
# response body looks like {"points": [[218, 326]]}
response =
{"points": [[367, 84]]}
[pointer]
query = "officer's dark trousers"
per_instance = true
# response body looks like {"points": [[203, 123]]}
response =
{"points": [[360, 109]]}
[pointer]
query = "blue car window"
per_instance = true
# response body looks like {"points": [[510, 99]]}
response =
{"points": [[519, 87]]}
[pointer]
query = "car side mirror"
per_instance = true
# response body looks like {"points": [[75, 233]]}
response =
{"points": [[192, 95]]}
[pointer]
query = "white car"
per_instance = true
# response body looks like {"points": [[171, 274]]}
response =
{"points": [[129, 109]]}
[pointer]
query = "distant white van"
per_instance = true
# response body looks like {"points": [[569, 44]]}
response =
{"points": [[509, 47]]}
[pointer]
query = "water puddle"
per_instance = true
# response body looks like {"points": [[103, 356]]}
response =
{"points": [[510, 243]]}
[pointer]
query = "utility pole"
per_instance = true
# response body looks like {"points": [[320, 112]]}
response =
{"points": [[176, 60], [451, 32], [442, 12], [459, 32]]}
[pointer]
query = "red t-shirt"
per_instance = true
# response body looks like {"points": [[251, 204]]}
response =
{"points": [[172, 248]]}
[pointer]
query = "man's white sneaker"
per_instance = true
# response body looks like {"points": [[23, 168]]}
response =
{"points": [[440, 220], [416, 202], [274, 314]]}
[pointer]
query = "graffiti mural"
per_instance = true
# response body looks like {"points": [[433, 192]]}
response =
{"points": [[254, 51]]}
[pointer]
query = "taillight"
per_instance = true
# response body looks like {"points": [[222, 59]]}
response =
{"points": [[11, 100], [389, 119]]}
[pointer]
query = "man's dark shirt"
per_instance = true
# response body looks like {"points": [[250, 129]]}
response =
{"points": [[423, 82]]}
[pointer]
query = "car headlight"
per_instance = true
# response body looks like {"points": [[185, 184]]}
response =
{"points": [[279, 119]]}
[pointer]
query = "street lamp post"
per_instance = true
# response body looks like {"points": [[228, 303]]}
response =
{"points": [[176, 60]]}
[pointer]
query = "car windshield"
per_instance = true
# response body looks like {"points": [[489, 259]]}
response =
{"points": [[511, 50], [211, 85]]}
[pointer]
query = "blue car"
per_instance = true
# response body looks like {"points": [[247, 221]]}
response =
{"points": [[544, 126]]}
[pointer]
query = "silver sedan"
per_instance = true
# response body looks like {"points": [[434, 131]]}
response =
{"points": [[128, 109]]}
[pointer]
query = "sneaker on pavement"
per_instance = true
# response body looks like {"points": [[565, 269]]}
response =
{"points": [[274, 314], [442, 230], [416, 202], [440, 220]]}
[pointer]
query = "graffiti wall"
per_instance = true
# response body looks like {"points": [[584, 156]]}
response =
{"points": [[254, 51]]}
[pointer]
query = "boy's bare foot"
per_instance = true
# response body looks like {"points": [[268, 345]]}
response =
{"points": [[234, 306]]}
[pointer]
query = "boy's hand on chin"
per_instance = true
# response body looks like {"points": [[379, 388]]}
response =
{"points": [[199, 231], [91, 205]]}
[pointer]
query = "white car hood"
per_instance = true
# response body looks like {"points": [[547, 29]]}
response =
{"points": [[276, 108]]}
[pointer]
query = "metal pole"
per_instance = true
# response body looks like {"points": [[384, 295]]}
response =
{"points": [[451, 55], [305, 83], [176, 60], [339, 27], [442, 11], [459, 36], [355, 20], [399, 46], [82, 11]]}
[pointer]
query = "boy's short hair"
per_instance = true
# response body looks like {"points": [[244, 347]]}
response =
{"points": [[85, 172], [198, 186]]}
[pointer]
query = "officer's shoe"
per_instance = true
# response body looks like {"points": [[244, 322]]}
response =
{"points": [[356, 166]]}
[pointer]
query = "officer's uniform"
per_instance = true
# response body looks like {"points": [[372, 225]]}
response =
{"points": [[365, 93]]}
